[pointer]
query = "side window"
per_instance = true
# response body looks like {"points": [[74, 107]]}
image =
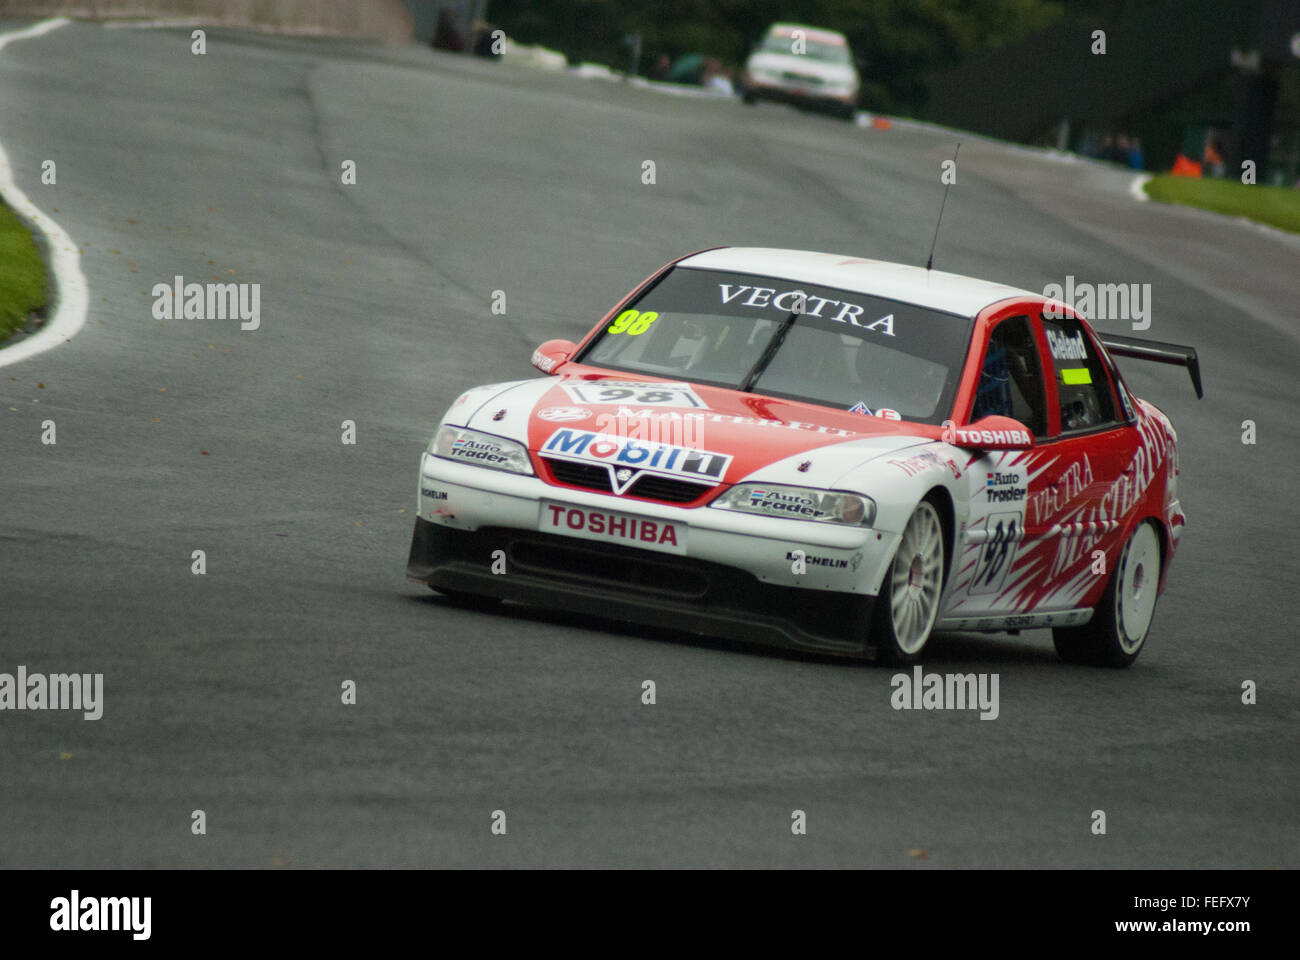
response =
{"points": [[1081, 383], [1011, 382]]}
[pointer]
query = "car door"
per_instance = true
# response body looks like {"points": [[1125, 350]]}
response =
{"points": [[1090, 443], [995, 540]]}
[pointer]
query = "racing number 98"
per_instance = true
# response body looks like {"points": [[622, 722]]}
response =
{"points": [[633, 322]]}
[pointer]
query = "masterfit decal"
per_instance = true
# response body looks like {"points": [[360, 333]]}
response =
{"points": [[631, 414]]}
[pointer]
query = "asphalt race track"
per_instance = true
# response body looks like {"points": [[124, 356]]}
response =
{"points": [[222, 691]]}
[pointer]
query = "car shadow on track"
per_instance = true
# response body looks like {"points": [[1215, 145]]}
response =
{"points": [[944, 648]]}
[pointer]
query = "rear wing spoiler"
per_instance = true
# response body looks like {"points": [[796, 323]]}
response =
{"points": [[1157, 351]]}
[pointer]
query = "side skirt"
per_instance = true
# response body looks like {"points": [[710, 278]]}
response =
{"points": [[1021, 621]]}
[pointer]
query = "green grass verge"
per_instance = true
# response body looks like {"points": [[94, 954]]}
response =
{"points": [[22, 274], [1276, 206]]}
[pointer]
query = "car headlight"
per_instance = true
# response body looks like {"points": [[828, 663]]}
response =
{"points": [[799, 503], [480, 450]]}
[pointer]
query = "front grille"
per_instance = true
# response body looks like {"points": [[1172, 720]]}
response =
{"points": [[654, 487], [586, 475], [648, 486], [801, 78]]}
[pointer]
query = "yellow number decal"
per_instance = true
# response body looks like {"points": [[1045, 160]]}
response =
{"points": [[642, 323], [633, 322], [624, 320]]}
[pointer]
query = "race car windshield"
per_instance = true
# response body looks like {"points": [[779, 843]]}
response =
{"points": [[842, 349], [813, 49]]}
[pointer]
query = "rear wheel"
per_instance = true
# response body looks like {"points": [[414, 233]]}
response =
{"points": [[908, 603], [1120, 623]]}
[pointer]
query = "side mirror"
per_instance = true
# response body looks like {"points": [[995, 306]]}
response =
{"points": [[551, 355], [989, 433]]}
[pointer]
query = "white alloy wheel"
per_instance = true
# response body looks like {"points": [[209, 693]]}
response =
{"points": [[916, 580], [1135, 597]]}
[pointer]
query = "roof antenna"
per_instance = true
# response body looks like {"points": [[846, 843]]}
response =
{"points": [[930, 262]]}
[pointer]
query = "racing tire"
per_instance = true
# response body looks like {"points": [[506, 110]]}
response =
{"points": [[1122, 618], [907, 606]]}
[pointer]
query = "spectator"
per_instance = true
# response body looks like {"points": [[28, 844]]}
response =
{"points": [[1213, 158], [715, 76], [1135, 160], [447, 35]]}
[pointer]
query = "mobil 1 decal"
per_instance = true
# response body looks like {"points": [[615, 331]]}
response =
{"points": [[628, 456]]}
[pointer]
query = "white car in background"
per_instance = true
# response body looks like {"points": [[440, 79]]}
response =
{"points": [[804, 66]]}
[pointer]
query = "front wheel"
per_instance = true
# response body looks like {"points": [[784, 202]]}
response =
{"points": [[908, 603], [1120, 623]]}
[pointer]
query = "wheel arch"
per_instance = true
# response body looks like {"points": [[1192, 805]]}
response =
{"points": [[941, 497], [1163, 538]]}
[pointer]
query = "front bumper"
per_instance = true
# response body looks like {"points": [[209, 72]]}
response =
{"points": [[733, 577], [800, 96], [637, 586]]}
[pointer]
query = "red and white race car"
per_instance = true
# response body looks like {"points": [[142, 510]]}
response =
{"points": [[818, 451]]}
